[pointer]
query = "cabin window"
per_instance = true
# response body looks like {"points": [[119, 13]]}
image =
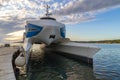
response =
{"points": [[32, 29]]}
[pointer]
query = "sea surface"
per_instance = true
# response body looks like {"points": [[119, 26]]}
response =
{"points": [[106, 66]]}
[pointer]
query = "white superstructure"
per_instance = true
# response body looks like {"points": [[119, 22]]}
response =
{"points": [[46, 30]]}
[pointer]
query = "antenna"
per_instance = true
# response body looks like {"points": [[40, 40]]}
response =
{"points": [[47, 11]]}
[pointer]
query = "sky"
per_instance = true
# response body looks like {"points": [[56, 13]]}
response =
{"points": [[85, 20]]}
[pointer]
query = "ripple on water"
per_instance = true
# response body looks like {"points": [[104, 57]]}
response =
{"points": [[107, 62], [56, 67]]}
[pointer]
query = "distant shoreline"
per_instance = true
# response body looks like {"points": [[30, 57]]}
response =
{"points": [[102, 41]]}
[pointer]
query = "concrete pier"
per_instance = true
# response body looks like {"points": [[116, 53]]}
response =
{"points": [[6, 67]]}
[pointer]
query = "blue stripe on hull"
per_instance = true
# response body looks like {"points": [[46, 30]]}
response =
{"points": [[32, 30], [62, 31]]}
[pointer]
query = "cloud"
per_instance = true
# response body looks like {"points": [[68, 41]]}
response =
{"points": [[14, 13], [14, 36], [86, 6], [23, 9], [1, 29], [83, 10]]}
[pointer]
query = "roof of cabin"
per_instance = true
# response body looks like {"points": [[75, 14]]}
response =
{"points": [[48, 18]]}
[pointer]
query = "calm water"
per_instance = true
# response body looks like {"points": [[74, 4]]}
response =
{"points": [[107, 62], [56, 67], [106, 66]]}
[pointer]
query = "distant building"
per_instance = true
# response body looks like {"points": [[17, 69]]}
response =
{"points": [[7, 45]]}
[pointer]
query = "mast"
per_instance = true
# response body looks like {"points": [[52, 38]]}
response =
{"points": [[47, 11], [47, 14]]}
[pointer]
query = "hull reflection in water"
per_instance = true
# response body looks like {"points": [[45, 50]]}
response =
{"points": [[107, 62], [56, 67]]}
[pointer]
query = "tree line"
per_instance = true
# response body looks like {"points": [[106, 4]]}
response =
{"points": [[101, 41]]}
